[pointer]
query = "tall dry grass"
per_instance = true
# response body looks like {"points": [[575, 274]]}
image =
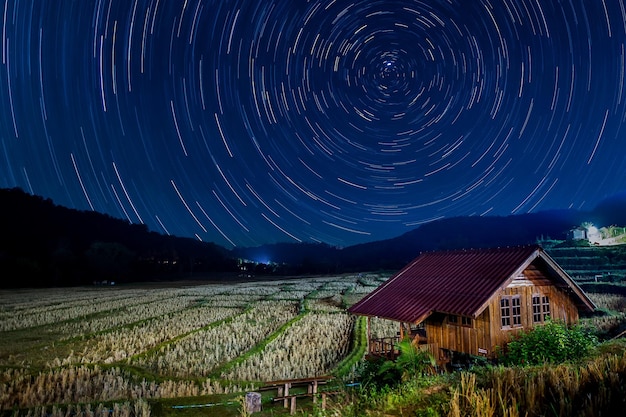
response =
{"points": [[137, 408], [61, 307], [310, 347], [615, 305], [588, 390], [94, 384], [125, 342], [199, 353], [117, 334], [612, 302], [380, 328]]}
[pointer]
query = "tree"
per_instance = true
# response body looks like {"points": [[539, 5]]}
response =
{"points": [[109, 259]]}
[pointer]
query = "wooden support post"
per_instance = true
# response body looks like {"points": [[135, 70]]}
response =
{"points": [[369, 334], [286, 393], [292, 409], [323, 401]]}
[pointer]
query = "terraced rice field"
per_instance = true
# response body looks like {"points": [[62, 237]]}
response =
{"points": [[124, 346]]}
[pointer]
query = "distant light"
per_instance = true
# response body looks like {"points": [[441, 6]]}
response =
{"points": [[264, 261]]}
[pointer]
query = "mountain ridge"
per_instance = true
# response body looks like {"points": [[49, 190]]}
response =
{"points": [[62, 246]]}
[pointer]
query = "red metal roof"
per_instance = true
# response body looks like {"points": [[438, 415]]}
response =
{"points": [[457, 282]]}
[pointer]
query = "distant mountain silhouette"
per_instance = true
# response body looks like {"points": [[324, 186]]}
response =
{"points": [[42, 244], [467, 232], [611, 211], [444, 234]]}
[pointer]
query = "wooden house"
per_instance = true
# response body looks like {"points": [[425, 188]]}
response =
{"points": [[473, 301]]}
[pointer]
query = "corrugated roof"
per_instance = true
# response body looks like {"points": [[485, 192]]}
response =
{"points": [[452, 282]]}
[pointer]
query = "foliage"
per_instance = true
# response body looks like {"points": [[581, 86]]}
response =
{"points": [[371, 377], [419, 396], [553, 342], [358, 350], [592, 388], [243, 406], [410, 363], [571, 243]]}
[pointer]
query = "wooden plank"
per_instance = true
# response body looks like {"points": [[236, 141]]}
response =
{"points": [[298, 381]]}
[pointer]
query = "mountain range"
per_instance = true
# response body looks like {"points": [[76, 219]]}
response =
{"points": [[47, 245]]}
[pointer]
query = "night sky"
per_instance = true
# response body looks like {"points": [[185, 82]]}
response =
{"points": [[256, 121]]}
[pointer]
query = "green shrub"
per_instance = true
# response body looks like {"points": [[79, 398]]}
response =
{"points": [[553, 342], [373, 375], [410, 363]]}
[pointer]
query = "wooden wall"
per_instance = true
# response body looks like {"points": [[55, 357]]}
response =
{"points": [[458, 338], [486, 332]]}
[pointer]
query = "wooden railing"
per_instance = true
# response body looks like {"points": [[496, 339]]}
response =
{"points": [[289, 399], [384, 346]]}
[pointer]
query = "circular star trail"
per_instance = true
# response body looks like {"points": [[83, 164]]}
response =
{"points": [[248, 122]]}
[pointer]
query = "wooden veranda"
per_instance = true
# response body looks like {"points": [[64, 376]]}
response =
{"points": [[387, 347]]}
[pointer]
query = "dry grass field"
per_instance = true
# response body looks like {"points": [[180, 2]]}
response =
{"points": [[114, 350], [140, 350]]}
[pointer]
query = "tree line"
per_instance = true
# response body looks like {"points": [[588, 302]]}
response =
{"points": [[43, 244]]}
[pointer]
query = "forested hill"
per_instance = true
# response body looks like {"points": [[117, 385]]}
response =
{"points": [[42, 244]]}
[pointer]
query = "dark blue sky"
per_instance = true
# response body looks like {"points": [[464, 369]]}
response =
{"points": [[256, 121]]}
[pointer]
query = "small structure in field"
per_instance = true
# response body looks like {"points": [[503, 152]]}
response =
{"points": [[472, 301], [578, 233]]}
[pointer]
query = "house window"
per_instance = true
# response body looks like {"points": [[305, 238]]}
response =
{"points": [[516, 310], [465, 321], [505, 311], [541, 308], [511, 311]]}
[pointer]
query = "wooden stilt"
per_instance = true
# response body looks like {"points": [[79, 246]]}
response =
{"points": [[369, 334], [292, 409], [286, 393]]}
